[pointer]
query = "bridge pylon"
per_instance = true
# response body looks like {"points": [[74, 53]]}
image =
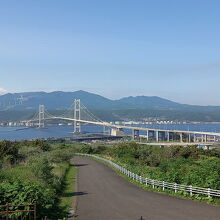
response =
{"points": [[77, 116], [41, 116]]}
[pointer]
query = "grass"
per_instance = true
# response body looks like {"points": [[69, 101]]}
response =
{"points": [[66, 201], [20, 172], [25, 173], [60, 169]]}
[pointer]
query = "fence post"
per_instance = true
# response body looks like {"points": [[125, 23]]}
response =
{"points": [[153, 183], [7, 207], [163, 185], [209, 193], [175, 189], [35, 211], [190, 188], [140, 179], [146, 181]]}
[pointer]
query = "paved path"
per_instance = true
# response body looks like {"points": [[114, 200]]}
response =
{"points": [[103, 195]]}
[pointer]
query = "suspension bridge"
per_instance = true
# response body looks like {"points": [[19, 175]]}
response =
{"points": [[79, 115]]}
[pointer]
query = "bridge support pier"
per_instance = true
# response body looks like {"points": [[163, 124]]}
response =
{"points": [[157, 136], [147, 135], [181, 137], [189, 136], [205, 138], [168, 136], [214, 138], [135, 134], [194, 138]]}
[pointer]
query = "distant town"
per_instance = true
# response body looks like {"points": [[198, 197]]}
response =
{"points": [[153, 122]]}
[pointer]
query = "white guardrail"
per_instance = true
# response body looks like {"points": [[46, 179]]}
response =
{"points": [[176, 187]]}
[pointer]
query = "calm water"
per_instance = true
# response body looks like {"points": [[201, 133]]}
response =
{"points": [[21, 133]]}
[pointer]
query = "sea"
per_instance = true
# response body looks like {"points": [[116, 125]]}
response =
{"points": [[27, 133]]}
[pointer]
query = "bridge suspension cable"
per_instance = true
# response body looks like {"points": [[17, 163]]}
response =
{"points": [[77, 112], [90, 114]]}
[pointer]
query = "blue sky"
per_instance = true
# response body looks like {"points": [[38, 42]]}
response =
{"points": [[115, 48]]}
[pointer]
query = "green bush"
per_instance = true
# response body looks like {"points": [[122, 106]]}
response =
{"points": [[99, 149], [43, 145], [18, 192], [60, 155], [9, 150], [34, 171], [183, 165], [86, 149], [42, 169]]}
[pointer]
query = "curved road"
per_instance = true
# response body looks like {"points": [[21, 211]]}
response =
{"points": [[103, 195]]}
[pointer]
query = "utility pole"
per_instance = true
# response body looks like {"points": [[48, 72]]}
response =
{"points": [[41, 116], [77, 116]]}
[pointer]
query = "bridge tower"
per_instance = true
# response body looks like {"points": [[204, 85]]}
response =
{"points": [[77, 116], [41, 116]]}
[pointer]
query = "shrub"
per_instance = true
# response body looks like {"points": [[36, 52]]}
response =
{"points": [[99, 149], [42, 169], [86, 149], [18, 192], [10, 150]]}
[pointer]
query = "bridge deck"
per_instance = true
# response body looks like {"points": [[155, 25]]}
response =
{"points": [[139, 128]]}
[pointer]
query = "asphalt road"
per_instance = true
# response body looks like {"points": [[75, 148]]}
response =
{"points": [[103, 195]]}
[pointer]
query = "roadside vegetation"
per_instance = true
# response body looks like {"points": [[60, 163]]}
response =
{"points": [[41, 172], [182, 165], [37, 172], [66, 201]]}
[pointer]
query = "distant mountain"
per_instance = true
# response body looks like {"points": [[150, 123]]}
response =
{"points": [[61, 100], [148, 102], [53, 101], [158, 103]]}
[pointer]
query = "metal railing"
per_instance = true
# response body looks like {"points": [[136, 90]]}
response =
{"points": [[17, 212], [157, 183]]}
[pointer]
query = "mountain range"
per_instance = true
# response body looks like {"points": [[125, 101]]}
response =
{"points": [[145, 105], [61, 100]]}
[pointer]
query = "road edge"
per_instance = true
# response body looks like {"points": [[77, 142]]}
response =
{"points": [[150, 189]]}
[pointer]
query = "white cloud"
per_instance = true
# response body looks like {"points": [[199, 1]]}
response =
{"points": [[2, 91]]}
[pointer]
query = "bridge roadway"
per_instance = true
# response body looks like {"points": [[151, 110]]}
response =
{"points": [[104, 195], [137, 128], [175, 143]]}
